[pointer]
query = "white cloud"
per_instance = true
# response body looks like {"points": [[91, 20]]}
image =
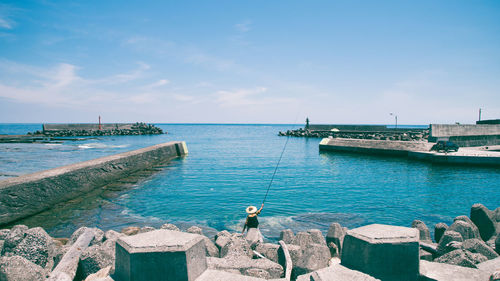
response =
{"points": [[159, 83], [243, 26], [4, 23], [248, 97], [184, 98]]}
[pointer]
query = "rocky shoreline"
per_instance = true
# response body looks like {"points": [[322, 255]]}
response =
{"points": [[138, 128], [399, 135], [471, 245]]}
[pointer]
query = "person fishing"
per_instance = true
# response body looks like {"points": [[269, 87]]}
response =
{"points": [[252, 225]]}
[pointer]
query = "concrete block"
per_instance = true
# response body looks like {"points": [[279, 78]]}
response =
{"points": [[160, 255], [340, 272], [383, 251], [434, 271], [211, 275]]}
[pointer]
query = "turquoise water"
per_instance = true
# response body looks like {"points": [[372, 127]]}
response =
{"points": [[229, 168]]}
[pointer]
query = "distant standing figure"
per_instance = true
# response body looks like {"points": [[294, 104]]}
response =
{"points": [[252, 225]]}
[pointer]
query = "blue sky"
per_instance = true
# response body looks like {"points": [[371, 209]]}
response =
{"points": [[249, 61]]}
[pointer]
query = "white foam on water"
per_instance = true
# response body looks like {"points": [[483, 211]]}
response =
{"points": [[100, 145], [53, 144]]}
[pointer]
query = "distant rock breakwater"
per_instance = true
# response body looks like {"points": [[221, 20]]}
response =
{"points": [[133, 129], [399, 135]]}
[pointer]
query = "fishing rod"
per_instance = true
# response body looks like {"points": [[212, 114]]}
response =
{"points": [[277, 164]]}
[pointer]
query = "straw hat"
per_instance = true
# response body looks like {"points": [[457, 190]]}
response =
{"points": [[251, 210]]}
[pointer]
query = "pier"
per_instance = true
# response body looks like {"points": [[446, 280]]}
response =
{"points": [[413, 150], [30, 194]]}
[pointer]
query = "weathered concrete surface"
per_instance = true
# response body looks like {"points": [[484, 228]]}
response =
{"points": [[399, 148], [462, 157], [287, 259], [212, 275], [450, 130], [383, 251], [160, 255], [66, 269], [338, 272], [17, 268], [29, 194], [246, 266], [433, 271], [489, 266]]}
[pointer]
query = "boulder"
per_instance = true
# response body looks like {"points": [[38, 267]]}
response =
{"points": [[424, 255], [98, 235], [467, 230], [294, 251], [440, 271], [448, 236], [483, 219], [317, 236], [145, 229], [268, 250], [336, 234], [424, 233], [4, 233], [462, 258], [211, 249], [37, 247], [439, 230], [112, 235], [495, 276], [130, 230], [195, 230], [17, 268], [334, 250], [497, 244], [246, 266], [1, 246], [497, 214], [101, 275], [16, 235], [257, 272], [478, 246], [302, 239], [313, 257], [253, 237], [234, 245], [339, 272], [170, 226], [97, 257], [287, 236]]}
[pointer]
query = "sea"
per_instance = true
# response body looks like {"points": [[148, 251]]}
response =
{"points": [[230, 166]]}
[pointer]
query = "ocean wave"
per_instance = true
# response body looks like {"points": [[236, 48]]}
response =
{"points": [[100, 145]]}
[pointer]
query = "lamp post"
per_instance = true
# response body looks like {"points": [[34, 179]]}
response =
{"points": [[395, 118]]}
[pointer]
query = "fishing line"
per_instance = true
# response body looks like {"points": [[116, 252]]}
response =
{"points": [[279, 160]]}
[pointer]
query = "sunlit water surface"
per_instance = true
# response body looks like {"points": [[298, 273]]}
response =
{"points": [[229, 168]]}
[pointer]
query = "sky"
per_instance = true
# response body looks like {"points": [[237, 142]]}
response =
{"points": [[336, 62]]}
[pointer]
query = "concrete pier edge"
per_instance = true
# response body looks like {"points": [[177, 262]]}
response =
{"points": [[30, 194]]}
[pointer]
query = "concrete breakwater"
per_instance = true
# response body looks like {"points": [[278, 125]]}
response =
{"points": [[468, 249], [394, 134], [68, 130], [413, 150], [29, 194]]}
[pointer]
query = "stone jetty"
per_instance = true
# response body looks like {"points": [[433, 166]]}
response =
{"points": [[395, 134], [468, 249], [72, 130]]}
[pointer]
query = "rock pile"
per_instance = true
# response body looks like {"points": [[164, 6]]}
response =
{"points": [[468, 247], [410, 135], [136, 129]]}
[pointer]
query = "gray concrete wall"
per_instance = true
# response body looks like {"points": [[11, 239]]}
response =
{"points": [[29, 194], [448, 130], [374, 146], [86, 126]]}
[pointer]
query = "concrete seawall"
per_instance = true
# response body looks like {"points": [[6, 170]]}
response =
{"points": [[397, 148], [413, 150], [30, 194]]}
